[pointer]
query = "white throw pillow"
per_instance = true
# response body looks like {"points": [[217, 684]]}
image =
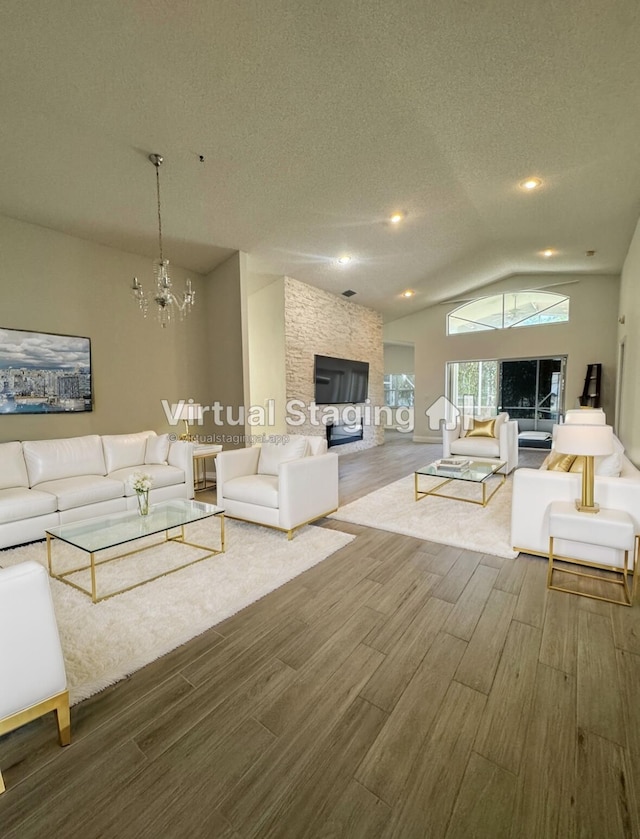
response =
{"points": [[606, 466], [157, 450], [317, 445], [272, 454]]}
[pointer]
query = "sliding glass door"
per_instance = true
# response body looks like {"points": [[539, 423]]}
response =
{"points": [[531, 390]]}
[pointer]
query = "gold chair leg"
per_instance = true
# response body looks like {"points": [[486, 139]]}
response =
{"points": [[63, 718], [289, 535], [2, 786]]}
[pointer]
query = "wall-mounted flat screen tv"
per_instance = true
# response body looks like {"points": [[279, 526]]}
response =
{"points": [[339, 380]]}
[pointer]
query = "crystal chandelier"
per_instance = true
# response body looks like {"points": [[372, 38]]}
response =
{"points": [[166, 300]]}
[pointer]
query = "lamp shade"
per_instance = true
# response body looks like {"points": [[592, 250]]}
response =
{"points": [[571, 438], [585, 416], [190, 412]]}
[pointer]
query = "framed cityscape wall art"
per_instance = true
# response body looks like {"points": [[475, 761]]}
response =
{"points": [[41, 373]]}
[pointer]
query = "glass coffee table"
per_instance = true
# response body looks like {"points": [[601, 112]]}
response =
{"points": [[472, 471], [104, 532]]}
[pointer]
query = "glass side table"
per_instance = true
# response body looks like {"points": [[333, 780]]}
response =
{"points": [[201, 453]]}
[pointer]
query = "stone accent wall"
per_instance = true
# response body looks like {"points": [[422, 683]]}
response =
{"points": [[319, 323]]}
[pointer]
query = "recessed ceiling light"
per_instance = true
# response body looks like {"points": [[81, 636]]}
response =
{"points": [[530, 183], [396, 218], [548, 252], [344, 260], [408, 293]]}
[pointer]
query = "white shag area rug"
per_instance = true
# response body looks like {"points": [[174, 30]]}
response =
{"points": [[104, 642], [471, 526]]}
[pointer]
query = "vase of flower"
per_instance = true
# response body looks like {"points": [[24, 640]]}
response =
{"points": [[143, 502], [141, 484]]}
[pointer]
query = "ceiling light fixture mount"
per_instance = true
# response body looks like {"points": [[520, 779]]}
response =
{"points": [[396, 218], [408, 293], [165, 299], [344, 260], [548, 252], [530, 183]]}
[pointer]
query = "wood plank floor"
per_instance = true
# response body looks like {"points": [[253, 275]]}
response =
{"points": [[398, 689]]}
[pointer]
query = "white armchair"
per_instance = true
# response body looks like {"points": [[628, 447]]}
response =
{"points": [[504, 446], [281, 485], [34, 681]]}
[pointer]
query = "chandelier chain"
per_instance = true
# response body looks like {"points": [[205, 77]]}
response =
{"points": [[157, 165]]}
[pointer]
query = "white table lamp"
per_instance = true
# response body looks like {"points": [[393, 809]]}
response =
{"points": [[190, 412], [585, 416], [587, 440]]}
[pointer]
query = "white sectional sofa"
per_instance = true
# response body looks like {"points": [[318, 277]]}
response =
{"points": [[535, 489], [48, 482]]}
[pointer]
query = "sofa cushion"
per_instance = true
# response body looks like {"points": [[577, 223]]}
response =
{"points": [[13, 470], [253, 489], [122, 450], [157, 448], [82, 490], [559, 462], [17, 503], [161, 476], [476, 447], [272, 454], [50, 460]]}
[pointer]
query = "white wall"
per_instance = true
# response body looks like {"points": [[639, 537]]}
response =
{"points": [[629, 334], [590, 336], [266, 340], [398, 358], [222, 353], [56, 283]]}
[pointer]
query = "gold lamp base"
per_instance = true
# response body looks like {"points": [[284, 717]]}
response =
{"points": [[190, 438], [586, 504], [584, 508]]}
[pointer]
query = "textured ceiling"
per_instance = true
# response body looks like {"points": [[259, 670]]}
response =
{"points": [[316, 121]]}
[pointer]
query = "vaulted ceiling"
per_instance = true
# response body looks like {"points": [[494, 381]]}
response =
{"points": [[316, 121]]}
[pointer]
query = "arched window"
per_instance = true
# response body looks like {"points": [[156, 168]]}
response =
{"points": [[507, 311]]}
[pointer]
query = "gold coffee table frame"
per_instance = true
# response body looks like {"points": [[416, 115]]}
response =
{"points": [[102, 525], [449, 477]]}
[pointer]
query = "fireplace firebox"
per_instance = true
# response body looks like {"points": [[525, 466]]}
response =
{"points": [[339, 434]]}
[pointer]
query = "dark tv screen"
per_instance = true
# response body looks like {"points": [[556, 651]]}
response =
{"points": [[340, 380]]}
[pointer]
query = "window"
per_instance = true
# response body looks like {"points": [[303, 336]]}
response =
{"points": [[508, 311], [399, 390], [474, 382]]}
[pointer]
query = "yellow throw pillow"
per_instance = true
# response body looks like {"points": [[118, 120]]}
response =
{"points": [[558, 462], [578, 464], [482, 428]]}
